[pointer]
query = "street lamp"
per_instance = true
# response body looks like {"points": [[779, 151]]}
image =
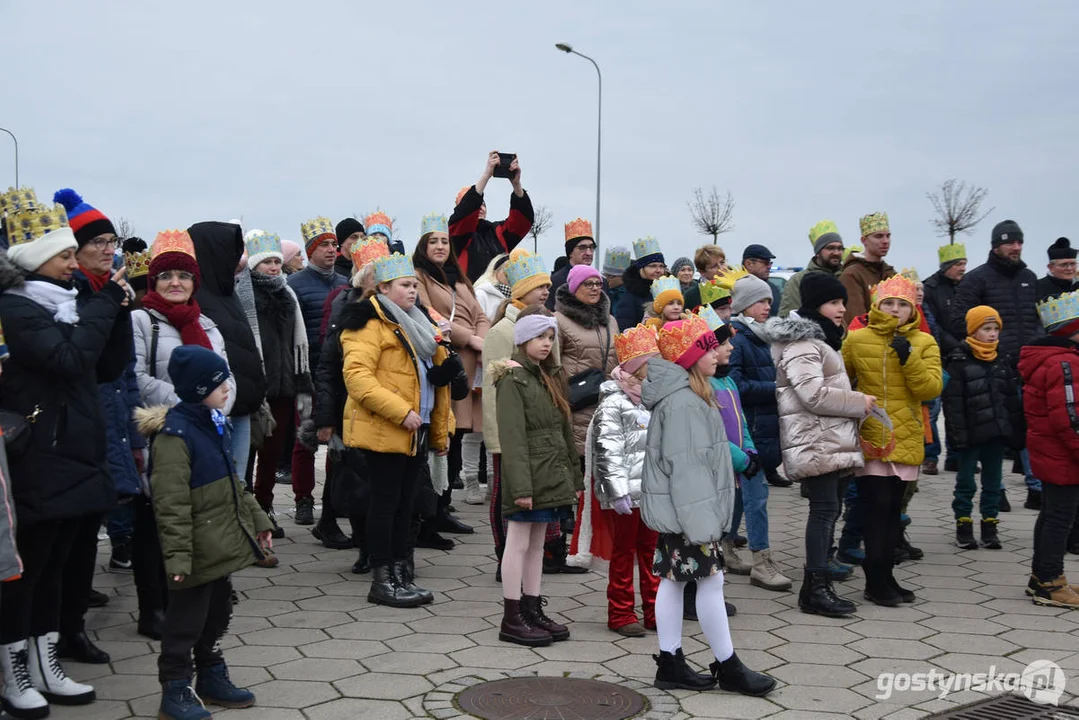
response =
{"points": [[599, 131], [16, 141]]}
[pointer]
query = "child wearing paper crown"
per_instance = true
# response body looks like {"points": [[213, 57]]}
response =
{"points": [[982, 416], [894, 361], [667, 302], [540, 474], [1049, 367], [615, 455], [687, 496]]}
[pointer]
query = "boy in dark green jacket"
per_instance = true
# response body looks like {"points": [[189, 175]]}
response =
{"points": [[209, 526]]}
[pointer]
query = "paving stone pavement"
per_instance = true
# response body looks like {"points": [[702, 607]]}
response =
{"points": [[307, 642]]}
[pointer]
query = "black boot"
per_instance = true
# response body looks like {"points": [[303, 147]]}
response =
{"points": [[404, 573], [877, 589], [818, 597], [908, 551], [733, 676], [554, 558], [1005, 506], [97, 599], [1034, 500], [330, 534], [964, 534], [362, 566], [385, 591], [428, 537], [80, 648], [904, 594], [448, 523], [673, 673], [774, 478], [150, 623], [990, 539]]}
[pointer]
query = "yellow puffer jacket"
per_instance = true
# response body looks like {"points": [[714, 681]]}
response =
{"points": [[874, 368], [383, 384]]}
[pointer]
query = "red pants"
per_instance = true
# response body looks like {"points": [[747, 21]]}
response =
{"points": [[303, 467], [631, 537], [303, 473]]}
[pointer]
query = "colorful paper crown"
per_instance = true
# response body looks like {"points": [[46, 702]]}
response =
{"points": [[728, 277], [679, 337], [391, 267], [578, 228], [1059, 310], [33, 222], [461, 193], [897, 286], [367, 250], [911, 274], [379, 222], [523, 265], [712, 291], [316, 228], [951, 253], [710, 317], [665, 283], [643, 247], [637, 341], [262, 245], [172, 241], [873, 223], [20, 199], [137, 264], [432, 223], [616, 260], [822, 228]]}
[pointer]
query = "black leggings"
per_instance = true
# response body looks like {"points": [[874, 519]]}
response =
{"points": [[31, 604], [826, 493], [393, 479], [146, 559], [78, 580], [1051, 531], [881, 498]]}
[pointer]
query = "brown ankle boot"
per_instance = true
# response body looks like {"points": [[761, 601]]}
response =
{"points": [[532, 609], [517, 629]]}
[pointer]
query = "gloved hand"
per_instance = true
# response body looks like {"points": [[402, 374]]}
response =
{"points": [[754, 466], [304, 406], [902, 348], [623, 505]]}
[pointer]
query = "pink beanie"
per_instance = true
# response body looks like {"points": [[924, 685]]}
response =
{"points": [[578, 274], [290, 250]]}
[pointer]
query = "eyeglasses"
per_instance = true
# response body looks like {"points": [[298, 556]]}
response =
{"points": [[585, 248], [656, 266], [592, 284], [1067, 265], [766, 263], [170, 275], [102, 243]]}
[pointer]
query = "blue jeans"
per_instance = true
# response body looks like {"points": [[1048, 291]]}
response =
{"points": [[1032, 482], [751, 500], [120, 523], [852, 527], [932, 450], [241, 443]]}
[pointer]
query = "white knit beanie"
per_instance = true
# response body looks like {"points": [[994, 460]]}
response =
{"points": [[748, 290], [262, 245], [31, 255]]}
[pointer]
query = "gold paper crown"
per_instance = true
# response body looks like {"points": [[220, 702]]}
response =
{"points": [[17, 199], [712, 291], [1059, 310], [911, 274], [172, 241], [315, 228], [897, 286], [681, 336], [951, 253], [378, 222], [727, 278], [34, 221], [873, 223], [635, 342], [578, 228], [367, 250], [137, 264]]}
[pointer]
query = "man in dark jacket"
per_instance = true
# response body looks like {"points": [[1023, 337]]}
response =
{"points": [[349, 232], [939, 293], [1006, 284], [827, 258], [648, 265], [1061, 277], [580, 250], [757, 259], [476, 240]]}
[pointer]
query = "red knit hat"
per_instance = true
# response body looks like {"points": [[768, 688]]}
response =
{"points": [[173, 250]]}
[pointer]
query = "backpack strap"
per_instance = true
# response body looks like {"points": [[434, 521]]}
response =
{"points": [[155, 330]]}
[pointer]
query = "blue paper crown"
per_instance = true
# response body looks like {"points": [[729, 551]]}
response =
{"points": [[643, 247], [1059, 310], [263, 243], [395, 266], [524, 266], [667, 282], [434, 223], [616, 258], [715, 322]]}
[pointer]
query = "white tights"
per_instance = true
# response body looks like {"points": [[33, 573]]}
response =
{"points": [[522, 560], [711, 613], [471, 443]]}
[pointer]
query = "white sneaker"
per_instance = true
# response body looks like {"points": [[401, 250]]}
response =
{"points": [[474, 494], [20, 699], [49, 677]]}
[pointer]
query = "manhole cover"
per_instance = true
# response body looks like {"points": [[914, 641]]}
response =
{"points": [[550, 698], [1008, 707]]}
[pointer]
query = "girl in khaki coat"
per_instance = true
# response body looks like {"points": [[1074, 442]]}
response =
{"points": [[444, 287]]}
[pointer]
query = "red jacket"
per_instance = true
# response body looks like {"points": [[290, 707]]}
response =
{"points": [[477, 242], [1050, 371]]}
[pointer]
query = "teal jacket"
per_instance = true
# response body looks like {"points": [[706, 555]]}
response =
{"points": [[734, 421]]}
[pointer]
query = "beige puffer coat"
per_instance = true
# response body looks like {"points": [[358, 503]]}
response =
{"points": [[818, 412]]}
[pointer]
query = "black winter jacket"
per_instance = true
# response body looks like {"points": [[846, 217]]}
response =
{"points": [[1011, 289], [330, 392], [981, 401], [1050, 286], [638, 293], [52, 378], [219, 246], [312, 288], [277, 326], [939, 296]]}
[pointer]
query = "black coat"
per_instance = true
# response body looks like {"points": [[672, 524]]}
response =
{"points": [[1011, 289], [277, 326], [560, 277], [52, 377], [1050, 286], [330, 392], [219, 246], [939, 296], [981, 401], [638, 294]]}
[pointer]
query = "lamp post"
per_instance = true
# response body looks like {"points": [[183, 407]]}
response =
{"points": [[599, 132], [16, 141]]}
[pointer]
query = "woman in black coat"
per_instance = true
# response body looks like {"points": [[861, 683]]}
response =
{"points": [[60, 352]]}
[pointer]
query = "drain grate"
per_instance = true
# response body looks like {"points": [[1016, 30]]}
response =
{"points": [[550, 698], [1008, 707]]}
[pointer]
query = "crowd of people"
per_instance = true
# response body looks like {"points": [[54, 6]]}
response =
{"points": [[631, 415]]}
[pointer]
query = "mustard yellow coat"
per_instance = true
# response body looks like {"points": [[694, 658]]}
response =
{"points": [[874, 368], [383, 385]]}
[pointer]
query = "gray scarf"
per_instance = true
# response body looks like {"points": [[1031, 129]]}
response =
{"points": [[245, 292], [300, 349], [327, 273], [420, 331], [752, 325]]}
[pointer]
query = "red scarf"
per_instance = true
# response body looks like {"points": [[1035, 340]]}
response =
{"points": [[96, 281], [184, 318]]}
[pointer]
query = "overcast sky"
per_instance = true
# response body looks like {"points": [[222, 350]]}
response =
{"points": [[171, 113]]}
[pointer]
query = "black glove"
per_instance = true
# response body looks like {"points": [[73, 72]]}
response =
{"points": [[451, 372], [754, 466], [902, 348]]}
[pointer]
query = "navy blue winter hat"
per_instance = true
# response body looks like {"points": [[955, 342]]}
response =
{"points": [[196, 372]]}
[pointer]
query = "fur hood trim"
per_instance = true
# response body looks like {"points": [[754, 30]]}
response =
{"points": [[150, 420], [791, 329], [637, 285], [10, 276], [585, 315]]}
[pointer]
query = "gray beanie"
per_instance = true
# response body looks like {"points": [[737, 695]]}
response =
{"points": [[748, 290], [679, 264]]}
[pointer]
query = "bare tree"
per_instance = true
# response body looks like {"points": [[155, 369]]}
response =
{"points": [[958, 208], [712, 214], [124, 228], [541, 223]]}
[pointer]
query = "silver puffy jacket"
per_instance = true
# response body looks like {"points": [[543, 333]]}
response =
{"points": [[618, 435]]}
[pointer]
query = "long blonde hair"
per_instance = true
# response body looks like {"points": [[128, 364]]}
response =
{"points": [[699, 384]]}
